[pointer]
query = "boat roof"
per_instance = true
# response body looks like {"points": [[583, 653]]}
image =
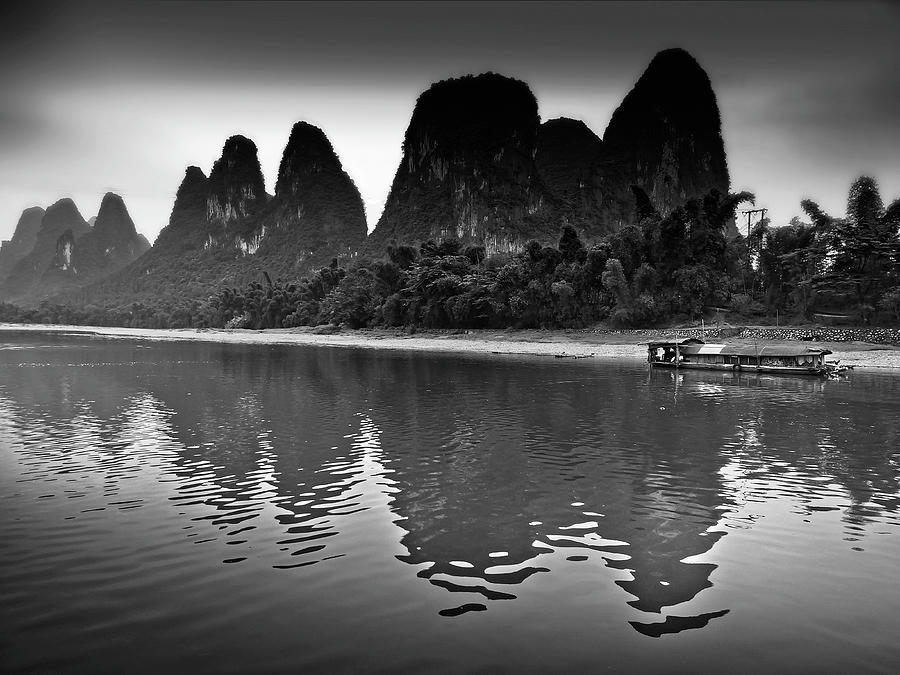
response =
{"points": [[672, 343], [695, 346]]}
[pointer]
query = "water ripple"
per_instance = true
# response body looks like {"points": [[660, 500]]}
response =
{"points": [[298, 508]]}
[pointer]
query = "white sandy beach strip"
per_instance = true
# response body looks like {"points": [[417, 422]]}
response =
{"points": [[363, 339]]}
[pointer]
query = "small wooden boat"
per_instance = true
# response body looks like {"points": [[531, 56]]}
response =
{"points": [[777, 359]]}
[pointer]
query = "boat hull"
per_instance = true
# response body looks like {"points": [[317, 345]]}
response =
{"points": [[733, 367]]}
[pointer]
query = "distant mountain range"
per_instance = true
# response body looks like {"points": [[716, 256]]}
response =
{"points": [[477, 165], [56, 250]]}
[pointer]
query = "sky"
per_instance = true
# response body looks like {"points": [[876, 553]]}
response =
{"points": [[123, 96]]}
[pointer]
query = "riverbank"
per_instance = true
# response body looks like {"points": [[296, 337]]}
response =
{"points": [[544, 343]]}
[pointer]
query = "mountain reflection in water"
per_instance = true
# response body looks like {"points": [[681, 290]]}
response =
{"points": [[274, 490]]}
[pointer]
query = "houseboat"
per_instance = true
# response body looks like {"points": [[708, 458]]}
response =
{"points": [[693, 353]]}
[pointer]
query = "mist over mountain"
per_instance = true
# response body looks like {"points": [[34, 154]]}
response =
{"points": [[69, 253], [24, 279], [112, 243], [225, 229]]}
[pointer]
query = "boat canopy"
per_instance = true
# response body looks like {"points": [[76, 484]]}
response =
{"points": [[694, 346]]}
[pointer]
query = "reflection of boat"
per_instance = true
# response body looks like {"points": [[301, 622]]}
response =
{"points": [[776, 359]]}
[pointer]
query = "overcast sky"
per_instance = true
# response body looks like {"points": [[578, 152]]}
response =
{"points": [[123, 96]]}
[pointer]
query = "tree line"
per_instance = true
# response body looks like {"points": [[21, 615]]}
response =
{"points": [[662, 269]]}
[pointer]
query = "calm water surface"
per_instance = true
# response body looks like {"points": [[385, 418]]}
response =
{"points": [[228, 508]]}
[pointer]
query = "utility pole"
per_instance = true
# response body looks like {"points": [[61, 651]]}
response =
{"points": [[750, 213]]}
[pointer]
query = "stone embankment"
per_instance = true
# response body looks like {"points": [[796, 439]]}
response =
{"points": [[888, 336]]}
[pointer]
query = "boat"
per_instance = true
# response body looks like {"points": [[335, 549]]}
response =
{"points": [[776, 359]]}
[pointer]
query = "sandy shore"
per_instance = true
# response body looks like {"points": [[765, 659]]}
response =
{"points": [[563, 343]]}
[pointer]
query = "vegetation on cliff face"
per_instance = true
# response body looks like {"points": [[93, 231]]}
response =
{"points": [[666, 268], [225, 230], [468, 169], [477, 164], [666, 138], [236, 190], [493, 219], [631, 278], [317, 211]]}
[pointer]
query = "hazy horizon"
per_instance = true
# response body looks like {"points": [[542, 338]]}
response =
{"points": [[123, 97]]}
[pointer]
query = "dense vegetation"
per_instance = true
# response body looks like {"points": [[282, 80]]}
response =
{"points": [[662, 270], [847, 265]]}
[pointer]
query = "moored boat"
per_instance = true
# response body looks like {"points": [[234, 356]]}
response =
{"points": [[777, 359]]}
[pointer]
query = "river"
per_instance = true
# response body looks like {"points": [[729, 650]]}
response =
{"points": [[178, 506]]}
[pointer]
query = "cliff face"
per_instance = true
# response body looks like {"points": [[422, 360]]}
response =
{"points": [[477, 165], [22, 242], [187, 222], [24, 280], [225, 229], [236, 189], [468, 169], [665, 137], [317, 210], [114, 230]]}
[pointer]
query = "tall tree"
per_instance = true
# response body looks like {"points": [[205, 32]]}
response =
{"points": [[862, 250]]}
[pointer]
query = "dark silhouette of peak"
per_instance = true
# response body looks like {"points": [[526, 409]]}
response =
{"points": [[664, 138], [674, 61], [193, 176], [567, 157], [187, 222], [468, 169], [308, 150], [191, 193], [32, 212], [62, 214], [236, 186], [23, 240], [238, 149], [225, 229], [113, 221], [567, 152], [317, 210], [673, 85], [565, 128], [473, 111]]}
